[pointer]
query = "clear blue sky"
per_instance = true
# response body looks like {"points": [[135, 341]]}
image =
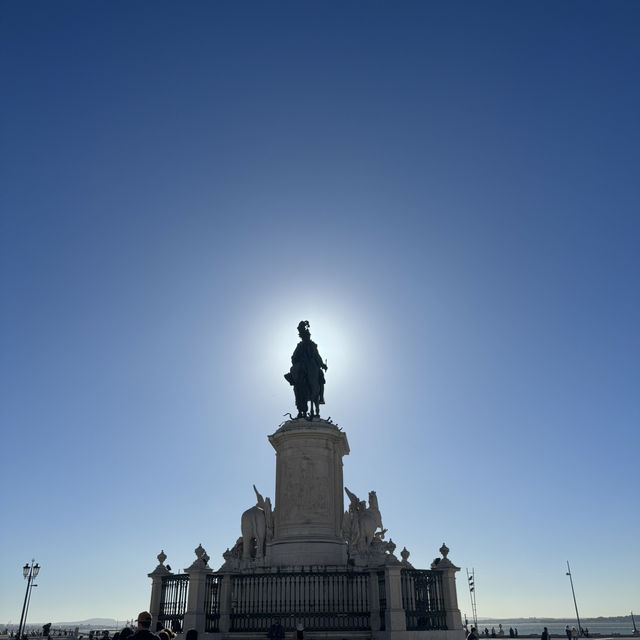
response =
{"points": [[448, 192]]}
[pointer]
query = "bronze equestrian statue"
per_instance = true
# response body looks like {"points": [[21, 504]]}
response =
{"points": [[306, 375]]}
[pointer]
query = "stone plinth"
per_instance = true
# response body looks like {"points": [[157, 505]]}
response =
{"points": [[309, 502]]}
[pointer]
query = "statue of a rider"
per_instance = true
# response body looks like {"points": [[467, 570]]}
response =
{"points": [[307, 374]]}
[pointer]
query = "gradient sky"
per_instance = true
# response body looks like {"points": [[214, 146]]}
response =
{"points": [[448, 192]]}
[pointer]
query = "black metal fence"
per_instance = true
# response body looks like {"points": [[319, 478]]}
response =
{"points": [[173, 601], [382, 598], [422, 599], [321, 601], [212, 603]]}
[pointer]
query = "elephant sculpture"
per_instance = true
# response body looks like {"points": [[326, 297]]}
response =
{"points": [[255, 524]]}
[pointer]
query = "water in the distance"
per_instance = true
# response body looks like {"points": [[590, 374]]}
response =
{"points": [[557, 626]]}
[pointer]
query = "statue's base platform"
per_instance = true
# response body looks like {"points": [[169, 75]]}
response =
{"points": [[308, 561], [309, 495], [314, 551]]}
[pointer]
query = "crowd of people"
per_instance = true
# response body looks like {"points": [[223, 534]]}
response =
{"points": [[474, 634], [143, 631], [39, 633], [571, 633]]}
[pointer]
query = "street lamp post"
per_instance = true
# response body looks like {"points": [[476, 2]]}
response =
{"points": [[29, 571], [575, 604]]}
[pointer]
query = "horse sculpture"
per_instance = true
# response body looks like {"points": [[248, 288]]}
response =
{"points": [[360, 523]]}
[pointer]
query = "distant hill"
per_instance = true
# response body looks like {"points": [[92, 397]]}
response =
{"points": [[91, 622]]}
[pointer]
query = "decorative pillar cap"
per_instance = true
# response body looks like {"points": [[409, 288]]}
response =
{"points": [[201, 561], [444, 563], [160, 570]]}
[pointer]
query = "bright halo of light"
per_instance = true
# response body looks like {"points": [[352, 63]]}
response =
{"points": [[335, 325]]}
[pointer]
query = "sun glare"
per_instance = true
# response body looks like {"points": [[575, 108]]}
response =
{"points": [[335, 326]]}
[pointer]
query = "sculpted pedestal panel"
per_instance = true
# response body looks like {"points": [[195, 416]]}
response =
{"points": [[309, 501]]}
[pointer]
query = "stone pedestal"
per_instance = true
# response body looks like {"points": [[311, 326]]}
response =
{"points": [[395, 617], [195, 615], [156, 587], [449, 593], [309, 502]]}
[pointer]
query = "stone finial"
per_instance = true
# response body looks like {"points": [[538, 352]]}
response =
{"points": [[444, 564], [160, 570], [202, 558], [404, 554]]}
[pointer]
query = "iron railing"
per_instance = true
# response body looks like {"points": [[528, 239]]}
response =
{"points": [[321, 601], [173, 601], [382, 598], [212, 603], [422, 599]]}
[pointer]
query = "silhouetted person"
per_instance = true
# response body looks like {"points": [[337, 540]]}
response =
{"points": [[143, 632], [192, 634], [545, 634], [511, 633], [125, 633], [276, 631]]}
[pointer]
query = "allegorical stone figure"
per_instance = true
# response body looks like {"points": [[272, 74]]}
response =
{"points": [[360, 522], [307, 374]]}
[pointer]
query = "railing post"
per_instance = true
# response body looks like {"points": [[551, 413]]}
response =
{"points": [[156, 587], [374, 601], [195, 616], [449, 594], [395, 616], [225, 603]]}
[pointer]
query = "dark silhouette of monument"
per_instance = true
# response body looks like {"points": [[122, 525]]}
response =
{"points": [[306, 375], [304, 560]]}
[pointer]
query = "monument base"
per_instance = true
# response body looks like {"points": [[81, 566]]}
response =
{"points": [[308, 561], [309, 495], [314, 551]]}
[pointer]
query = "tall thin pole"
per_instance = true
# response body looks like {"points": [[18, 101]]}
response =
{"points": [[575, 604], [26, 613], [471, 578], [29, 572], [24, 606]]}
